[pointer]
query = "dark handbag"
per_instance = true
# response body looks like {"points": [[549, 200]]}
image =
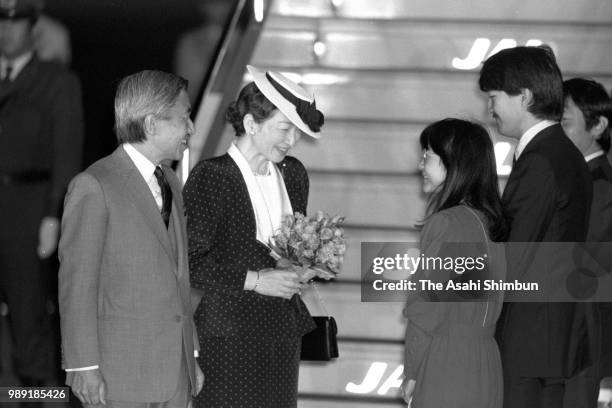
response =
{"points": [[320, 344]]}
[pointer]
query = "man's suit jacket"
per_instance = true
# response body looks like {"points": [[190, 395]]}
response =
{"points": [[41, 127], [223, 246], [600, 225], [124, 282], [547, 199], [41, 139], [600, 230]]}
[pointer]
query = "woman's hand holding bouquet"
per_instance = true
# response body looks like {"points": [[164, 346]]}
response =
{"points": [[312, 246]]}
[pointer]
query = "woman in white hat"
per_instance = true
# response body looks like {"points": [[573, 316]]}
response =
{"points": [[250, 319]]}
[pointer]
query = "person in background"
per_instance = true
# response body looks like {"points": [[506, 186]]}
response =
{"points": [[451, 357], [128, 336], [52, 40], [195, 49], [250, 319], [547, 198], [41, 138], [587, 121]]}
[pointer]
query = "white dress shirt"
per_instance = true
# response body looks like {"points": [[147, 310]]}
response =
{"points": [[591, 156], [17, 65], [530, 134], [147, 170]]}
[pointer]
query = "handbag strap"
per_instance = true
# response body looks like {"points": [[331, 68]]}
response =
{"points": [[484, 319], [314, 286], [482, 226]]}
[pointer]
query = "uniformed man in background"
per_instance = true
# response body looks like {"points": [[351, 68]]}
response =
{"points": [[41, 138]]}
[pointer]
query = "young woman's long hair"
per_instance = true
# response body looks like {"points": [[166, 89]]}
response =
{"points": [[466, 151]]}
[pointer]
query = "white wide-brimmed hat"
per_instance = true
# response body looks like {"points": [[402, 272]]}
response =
{"points": [[291, 99]]}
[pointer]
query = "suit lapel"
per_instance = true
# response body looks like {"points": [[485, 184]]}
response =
{"points": [[606, 168], [135, 187], [600, 168], [242, 190], [28, 73], [518, 168], [295, 197], [535, 143], [7, 90]]}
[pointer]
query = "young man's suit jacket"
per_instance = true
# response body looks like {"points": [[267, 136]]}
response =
{"points": [[124, 282], [547, 199]]}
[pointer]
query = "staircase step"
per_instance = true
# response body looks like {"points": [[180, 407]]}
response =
{"points": [[544, 11], [369, 200], [333, 402], [374, 147], [343, 378], [363, 146], [425, 45], [366, 374], [417, 97]]}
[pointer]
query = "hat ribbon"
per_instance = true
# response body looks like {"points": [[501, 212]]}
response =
{"points": [[307, 111]]}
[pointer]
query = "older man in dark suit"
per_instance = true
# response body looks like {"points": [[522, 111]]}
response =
{"points": [[547, 199], [41, 137], [128, 335], [587, 121]]}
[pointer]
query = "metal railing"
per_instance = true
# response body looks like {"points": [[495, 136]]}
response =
{"points": [[224, 79]]}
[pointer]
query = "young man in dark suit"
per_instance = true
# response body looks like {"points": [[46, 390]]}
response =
{"points": [[41, 138], [546, 199], [587, 120]]}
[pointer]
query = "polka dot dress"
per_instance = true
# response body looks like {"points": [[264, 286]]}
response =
{"points": [[265, 377], [249, 342]]}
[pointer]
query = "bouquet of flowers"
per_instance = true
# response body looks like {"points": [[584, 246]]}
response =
{"points": [[314, 243]]}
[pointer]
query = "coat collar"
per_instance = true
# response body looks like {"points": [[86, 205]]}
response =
{"points": [[263, 222], [601, 163], [27, 75], [534, 143]]}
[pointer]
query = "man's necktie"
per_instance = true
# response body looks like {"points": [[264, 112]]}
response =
{"points": [[166, 194], [7, 74]]}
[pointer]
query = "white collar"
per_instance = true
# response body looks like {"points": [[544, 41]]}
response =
{"points": [[17, 64], [592, 156], [530, 134], [144, 165]]}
